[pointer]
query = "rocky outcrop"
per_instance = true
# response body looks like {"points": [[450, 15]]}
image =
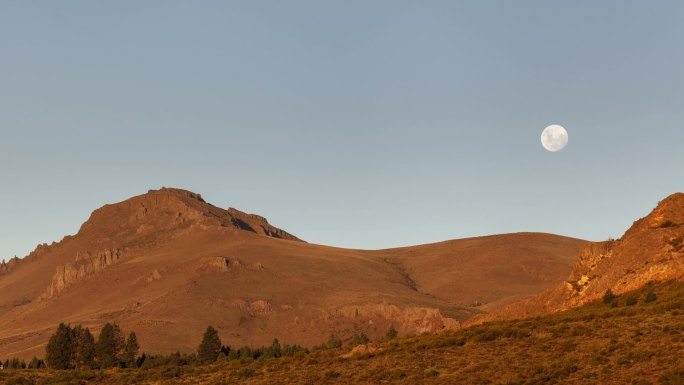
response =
{"points": [[258, 308], [651, 250], [6, 266], [12, 263], [225, 264], [361, 350], [154, 217], [408, 319], [257, 224], [156, 275], [85, 265]]}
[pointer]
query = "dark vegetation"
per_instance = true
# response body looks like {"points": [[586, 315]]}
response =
{"points": [[633, 338], [76, 348]]}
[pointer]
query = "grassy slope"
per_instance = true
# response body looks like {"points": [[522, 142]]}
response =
{"points": [[594, 344]]}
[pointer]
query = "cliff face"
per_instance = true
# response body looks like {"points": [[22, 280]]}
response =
{"points": [[84, 266], [651, 250]]}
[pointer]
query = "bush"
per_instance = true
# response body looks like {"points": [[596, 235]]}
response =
{"points": [[358, 339], [631, 300], [608, 297], [245, 372], [333, 342], [674, 378], [20, 381], [332, 374], [650, 296], [391, 332]]}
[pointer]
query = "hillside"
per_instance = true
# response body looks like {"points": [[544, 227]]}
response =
{"points": [[597, 343], [166, 264], [652, 249]]}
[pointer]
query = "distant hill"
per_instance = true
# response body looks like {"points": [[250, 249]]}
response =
{"points": [[167, 264]]}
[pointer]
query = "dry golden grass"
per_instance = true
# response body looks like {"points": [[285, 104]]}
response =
{"points": [[594, 344]]}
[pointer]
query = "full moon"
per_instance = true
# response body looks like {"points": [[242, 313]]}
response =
{"points": [[554, 138]]}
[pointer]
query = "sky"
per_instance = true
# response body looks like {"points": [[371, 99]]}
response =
{"points": [[361, 124]]}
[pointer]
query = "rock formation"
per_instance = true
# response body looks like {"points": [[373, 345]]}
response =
{"points": [[651, 250], [412, 319], [167, 213], [224, 264], [84, 266]]}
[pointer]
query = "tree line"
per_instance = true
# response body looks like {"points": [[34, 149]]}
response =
{"points": [[76, 348]]}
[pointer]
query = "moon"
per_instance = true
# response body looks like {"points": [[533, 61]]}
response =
{"points": [[554, 138]]}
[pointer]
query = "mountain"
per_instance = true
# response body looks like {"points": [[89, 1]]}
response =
{"points": [[167, 264], [651, 250]]}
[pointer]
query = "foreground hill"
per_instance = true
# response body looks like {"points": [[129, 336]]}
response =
{"points": [[651, 250], [167, 264], [598, 343]]}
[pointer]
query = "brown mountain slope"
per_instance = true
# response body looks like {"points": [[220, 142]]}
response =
{"points": [[514, 266], [166, 264], [651, 250]]}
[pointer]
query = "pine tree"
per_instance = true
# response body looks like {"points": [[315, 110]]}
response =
{"points": [[208, 350], [276, 350], [60, 352], [131, 350], [85, 347], [109, 345]]}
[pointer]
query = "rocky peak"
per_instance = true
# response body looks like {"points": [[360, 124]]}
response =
{"points": [[668, 214], [168, 212], [116, 231], [651, 250]]}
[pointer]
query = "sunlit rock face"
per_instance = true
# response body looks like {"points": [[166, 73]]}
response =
{"points": [[651, 250]]}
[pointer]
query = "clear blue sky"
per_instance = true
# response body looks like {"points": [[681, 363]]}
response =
{"points": [[364, 124]]}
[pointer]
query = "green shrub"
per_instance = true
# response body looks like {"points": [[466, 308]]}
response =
{"points": [[391, 332], [358, 339], [333, 342], [20, 381], [245, 372], [171, 372], [631, 300], [674, 378], [650, 296], [332, 374], [608, 297], [488, 335]]}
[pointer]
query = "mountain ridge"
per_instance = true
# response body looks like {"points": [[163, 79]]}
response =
{"points": [[167, 263]]}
